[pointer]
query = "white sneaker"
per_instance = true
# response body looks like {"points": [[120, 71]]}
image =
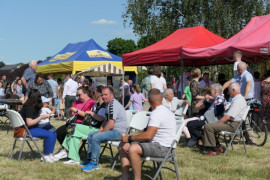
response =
{"points": [[47, 159], [61, 155], [71, 162], [53, 158]]}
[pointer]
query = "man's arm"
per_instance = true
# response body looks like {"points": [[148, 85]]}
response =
{"points": [[142, 137], [224, 119], [226, 84], [248, 87], [109, 125], [24, 82]]}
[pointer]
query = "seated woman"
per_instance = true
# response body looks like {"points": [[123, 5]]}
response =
{"points": [[214, 110], [173, 103], [79, 107], [71, 143], [30, 114]]}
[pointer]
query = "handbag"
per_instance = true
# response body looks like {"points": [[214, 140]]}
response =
{"points": [[87, 120], [19, 132]]}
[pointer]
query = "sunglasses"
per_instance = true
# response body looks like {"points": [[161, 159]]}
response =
{"points": [[78, 95]]}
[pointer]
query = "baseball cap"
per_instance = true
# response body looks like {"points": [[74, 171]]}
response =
{"points": [[45, 99]]}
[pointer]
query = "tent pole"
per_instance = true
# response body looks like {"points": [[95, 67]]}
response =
{"points": [[182, 77], [123, 76]]}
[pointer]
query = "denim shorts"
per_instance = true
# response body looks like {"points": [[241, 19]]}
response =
{"points": [[153, 149]]}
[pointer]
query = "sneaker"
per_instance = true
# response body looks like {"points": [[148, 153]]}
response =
{"points": [[212, 153], [71, 162], [47, 159], [220, 149], [90, 167], [86, 162], [191, 143], [53, 158], [61, 155]]}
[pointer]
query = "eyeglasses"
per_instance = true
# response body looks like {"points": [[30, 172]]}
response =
{"points": [[78, 95]]}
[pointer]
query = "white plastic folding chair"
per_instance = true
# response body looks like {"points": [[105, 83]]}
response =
{"points": [[182, 111], [17, 121], [232, 135], [138, 122], [170, 156], [109, 144]]}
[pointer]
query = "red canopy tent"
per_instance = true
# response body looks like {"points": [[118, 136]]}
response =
{"points": [[168, 50], [253, 41]]}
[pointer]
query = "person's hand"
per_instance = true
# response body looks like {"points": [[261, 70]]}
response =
{"points": [[45, 116], [187, 102], [90, 112], [73, 109], [124, 138]]}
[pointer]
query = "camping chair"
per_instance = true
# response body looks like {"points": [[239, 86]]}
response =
{"points": [[232, 135], [17, 121], [170, 156], [138, 122], [182, 111]]}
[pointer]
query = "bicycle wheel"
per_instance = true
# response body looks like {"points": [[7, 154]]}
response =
{"points": [[256, 131]]}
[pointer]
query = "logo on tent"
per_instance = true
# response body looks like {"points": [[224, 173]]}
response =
{"points": [[98, 53], [62, 56]]}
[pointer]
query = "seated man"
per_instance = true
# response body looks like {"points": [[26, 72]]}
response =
{"points": [[155, 141], [110, 130], [215, 110], [173, 103], [229, 122]]}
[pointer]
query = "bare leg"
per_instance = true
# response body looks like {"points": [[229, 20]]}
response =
{"points": [[123, 151], [135, 153]]}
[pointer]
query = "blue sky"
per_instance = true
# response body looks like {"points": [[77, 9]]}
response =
{"points": [[35, 29]]}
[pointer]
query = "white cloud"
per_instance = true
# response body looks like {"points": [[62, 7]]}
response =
{"points": [[103, 22]]}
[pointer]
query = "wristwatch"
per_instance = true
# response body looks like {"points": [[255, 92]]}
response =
{"points": [[77, 111], [129, 139]]}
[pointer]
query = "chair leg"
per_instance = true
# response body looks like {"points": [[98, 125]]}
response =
{"points": [[37, 147], [242, 136], [31, 148], [104, 147], [110, 146], [21, 149], [12, 151], [176, 167], [114, 160]]}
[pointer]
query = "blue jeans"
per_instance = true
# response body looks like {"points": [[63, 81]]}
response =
{"points": [[95, 139], [50, 138]]}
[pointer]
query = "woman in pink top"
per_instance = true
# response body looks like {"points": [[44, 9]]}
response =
{"points": [[136, 98]]}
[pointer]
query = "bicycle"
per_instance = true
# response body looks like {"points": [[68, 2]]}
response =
{"points": [[255, 126]]}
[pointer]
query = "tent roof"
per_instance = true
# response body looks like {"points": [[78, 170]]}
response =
{"points": [[78, 57], [168, 50], [252, 40]]}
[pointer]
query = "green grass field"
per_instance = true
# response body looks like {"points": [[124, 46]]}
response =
{"points": [[255, 164]]}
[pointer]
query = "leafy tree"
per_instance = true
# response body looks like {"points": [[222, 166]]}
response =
{"points": [[2, 64], [119, 46]]}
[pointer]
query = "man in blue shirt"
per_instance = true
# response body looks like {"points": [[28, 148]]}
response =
{"points": [[29, 74]]}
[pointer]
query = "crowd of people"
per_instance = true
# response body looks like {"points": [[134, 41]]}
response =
{"points": [[216, 106]]}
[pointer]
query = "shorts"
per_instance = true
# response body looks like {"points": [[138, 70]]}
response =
{"points": [[153, 149]]}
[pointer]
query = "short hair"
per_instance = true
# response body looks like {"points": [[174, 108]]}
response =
{"points": [[268, 73], [68, 75], [237, 54], [50, 76], [86, 90], [166, 92], [195, 72], [110, 89], [206, 73], [150, 71], [137, 88], [99, 88], [39, 75], [217, 87], [235, 86], [257, 75], [154, 94], [32, 62], [242, 66]]}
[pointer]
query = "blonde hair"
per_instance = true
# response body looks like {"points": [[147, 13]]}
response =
{"points": [[137, 88], [196, 73]]}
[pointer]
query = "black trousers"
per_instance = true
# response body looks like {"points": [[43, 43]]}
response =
{"points": [[61, 133], [195, 128]]}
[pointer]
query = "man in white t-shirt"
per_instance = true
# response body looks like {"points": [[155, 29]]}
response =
{"points": [[155, 141], [237, 56], [206, 81]]}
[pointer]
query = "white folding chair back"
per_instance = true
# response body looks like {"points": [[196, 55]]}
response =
{"points": [[130, 114], [239, 131], [16, 120], [139, 120], [179, 129], [182, 110]]}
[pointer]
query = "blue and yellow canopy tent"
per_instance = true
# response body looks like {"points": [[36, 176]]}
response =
{"points": [[80, 56]]}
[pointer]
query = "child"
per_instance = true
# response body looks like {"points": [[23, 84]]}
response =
{"points": [[60, 103], [136, 98], [45, 123], [8, 91]]}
